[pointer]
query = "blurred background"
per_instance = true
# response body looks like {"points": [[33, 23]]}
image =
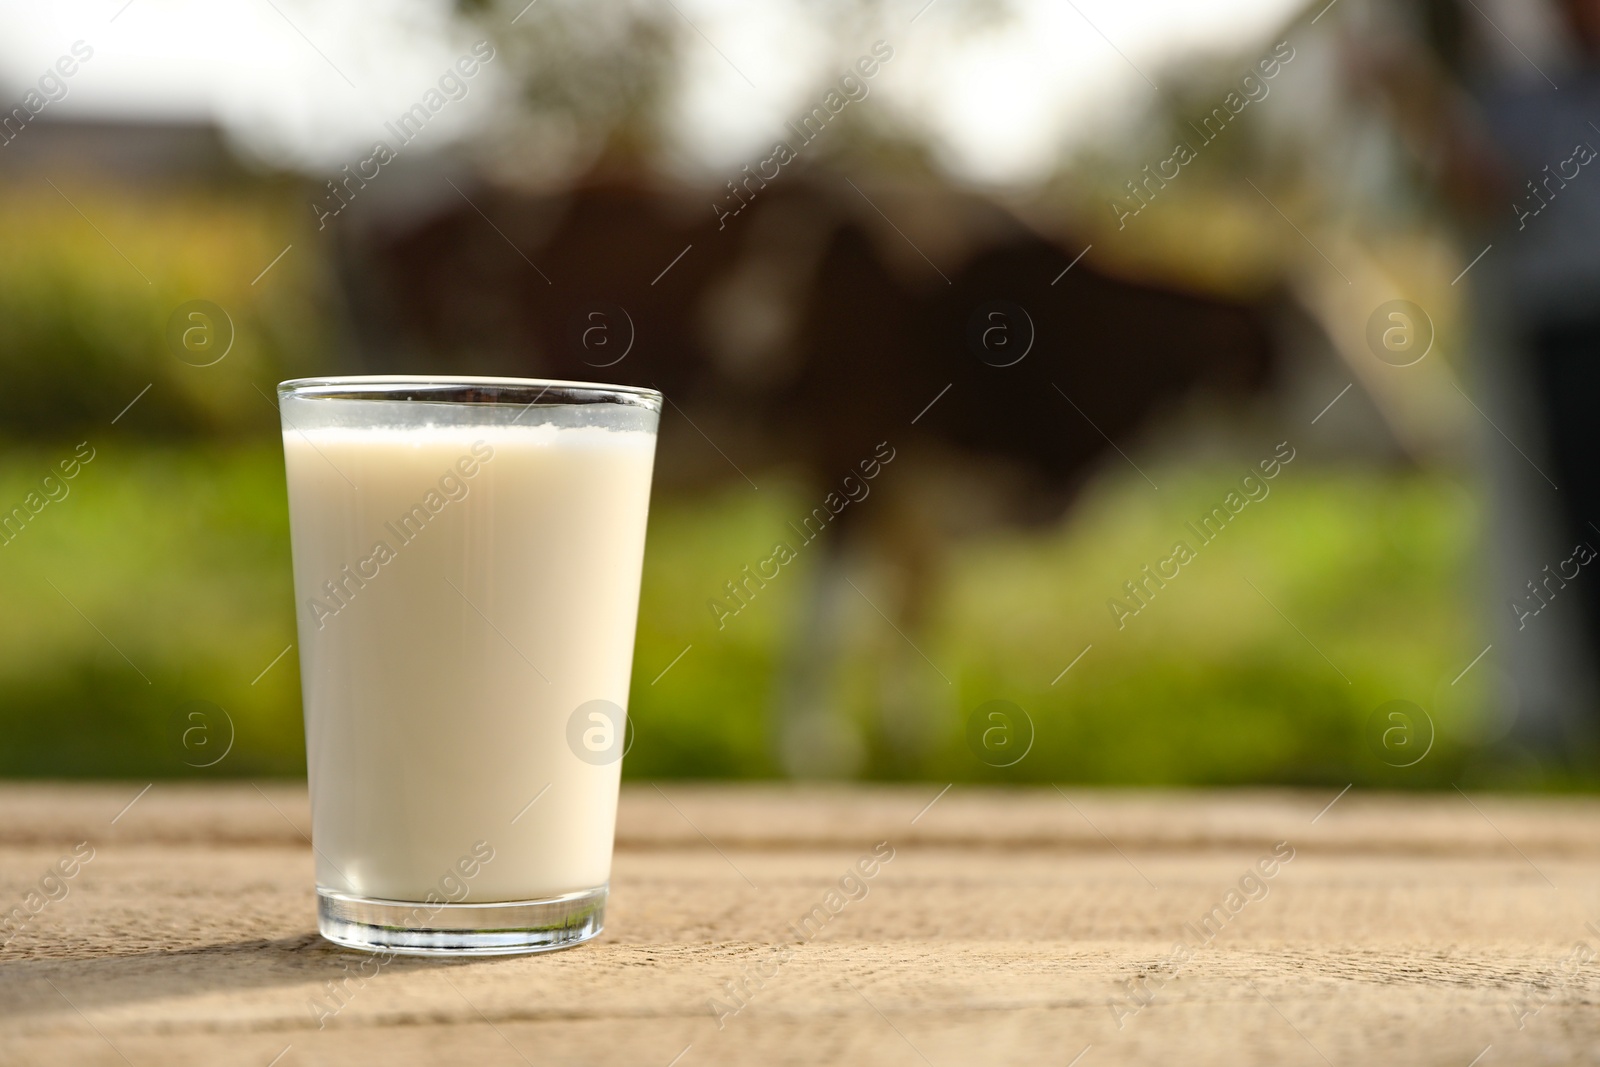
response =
{"points": [[1307, 289]]}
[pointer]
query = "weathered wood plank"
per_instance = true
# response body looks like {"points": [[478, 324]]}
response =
{"points": [[1007, 928]]}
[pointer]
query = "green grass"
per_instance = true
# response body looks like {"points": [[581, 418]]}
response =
{"points": [[179, 558], [161, 578]]}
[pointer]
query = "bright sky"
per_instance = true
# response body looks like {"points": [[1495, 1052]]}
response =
{"points": [[310, 83]]}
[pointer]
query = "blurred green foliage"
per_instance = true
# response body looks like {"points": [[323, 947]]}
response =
{"points": [[89, 280], [163, 577], [1209, 684]]}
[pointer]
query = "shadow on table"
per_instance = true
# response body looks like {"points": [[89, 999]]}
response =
{"points": [[31, 987]]}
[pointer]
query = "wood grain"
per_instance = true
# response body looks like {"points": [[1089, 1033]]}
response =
{"points": [[1010, 927]]}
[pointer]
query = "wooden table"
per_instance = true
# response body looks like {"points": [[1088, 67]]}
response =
{"points": [[1009, 927]]}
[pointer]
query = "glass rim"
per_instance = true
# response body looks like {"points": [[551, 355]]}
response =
{"points": [[466, 389]]}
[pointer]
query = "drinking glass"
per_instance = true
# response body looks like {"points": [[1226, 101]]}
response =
{"points": [[467, 557]]}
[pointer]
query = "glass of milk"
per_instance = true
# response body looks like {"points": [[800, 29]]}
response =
{"points": [[467, 555]]}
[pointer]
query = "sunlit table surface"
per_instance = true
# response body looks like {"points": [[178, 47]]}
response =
{"points": [[1036, 926]]}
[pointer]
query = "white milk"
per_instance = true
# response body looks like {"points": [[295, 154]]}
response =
{"points": [[428, 725]]}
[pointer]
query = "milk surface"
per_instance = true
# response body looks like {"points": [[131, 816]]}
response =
{"points": [[461, 590]]}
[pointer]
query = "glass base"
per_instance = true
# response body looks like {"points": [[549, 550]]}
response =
{"points": [[493, 929]]}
